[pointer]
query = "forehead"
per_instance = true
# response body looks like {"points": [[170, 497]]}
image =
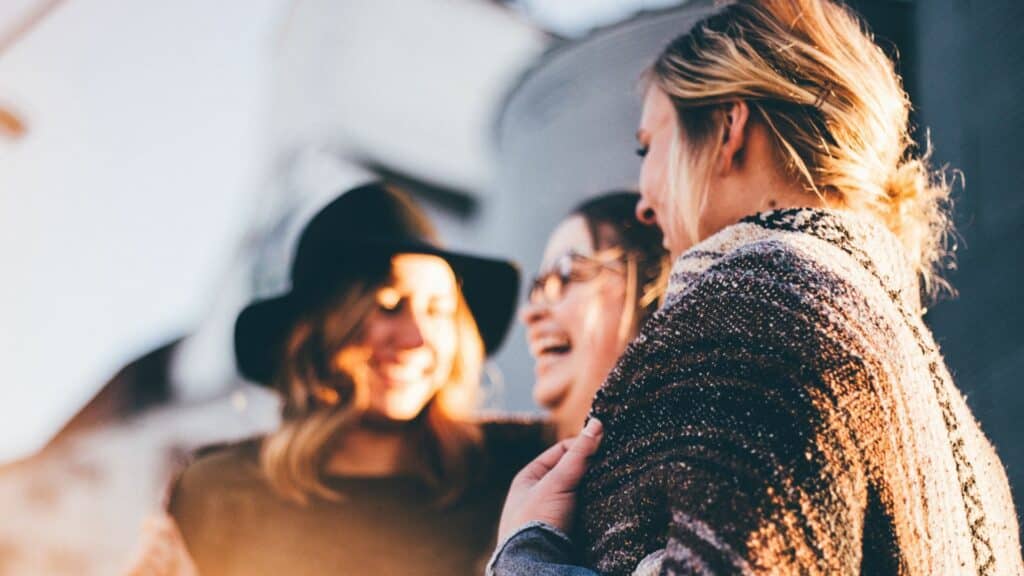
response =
{"points": [[571, 235], [422, 273]]}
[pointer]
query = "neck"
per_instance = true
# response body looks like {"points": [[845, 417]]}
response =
{"points": [[375, 452], [745, 196], [756, 181], [786, 198]]}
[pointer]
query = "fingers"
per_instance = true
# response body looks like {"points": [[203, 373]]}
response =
{"points": [[567, 473], [568, 458]]}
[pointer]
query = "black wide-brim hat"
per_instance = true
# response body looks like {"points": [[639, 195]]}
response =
{"points": [[353, 237]]}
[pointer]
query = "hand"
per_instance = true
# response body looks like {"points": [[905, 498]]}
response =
{"points": [[545, 490], [162, 551]]}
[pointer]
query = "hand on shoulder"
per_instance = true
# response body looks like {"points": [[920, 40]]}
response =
{"points": [[545, 490]]}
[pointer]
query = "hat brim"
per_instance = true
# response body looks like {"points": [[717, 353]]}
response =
{"points": [[259, 333], [490, 287]]}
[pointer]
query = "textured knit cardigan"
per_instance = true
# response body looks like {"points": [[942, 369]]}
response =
{"points": [[788, 412]]}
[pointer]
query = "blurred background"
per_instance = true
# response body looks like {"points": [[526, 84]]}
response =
{"points": [[157, 160]]}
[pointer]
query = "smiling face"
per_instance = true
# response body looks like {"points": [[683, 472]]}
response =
{"points": [[655, 136], [407, 347], [575, 337]]}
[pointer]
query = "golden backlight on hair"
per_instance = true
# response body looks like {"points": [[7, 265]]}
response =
{"points": [[833, 102], [321, 402]]}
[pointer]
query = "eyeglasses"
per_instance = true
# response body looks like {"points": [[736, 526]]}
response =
{"points": [[550, 286]]}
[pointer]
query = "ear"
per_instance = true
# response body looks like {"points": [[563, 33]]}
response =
{"points": [[737, 114]]}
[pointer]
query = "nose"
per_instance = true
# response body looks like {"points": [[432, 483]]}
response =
{"points": [[408, 332], [534, 311], [645, 213]]}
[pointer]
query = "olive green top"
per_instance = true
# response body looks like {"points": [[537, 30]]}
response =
{"points": [[234, 524]]}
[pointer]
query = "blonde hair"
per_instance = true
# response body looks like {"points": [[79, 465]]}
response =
{"points": [[832, 100], [322, 402]]}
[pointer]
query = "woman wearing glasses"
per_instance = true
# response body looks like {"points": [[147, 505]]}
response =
{"points": [[598, 284]]}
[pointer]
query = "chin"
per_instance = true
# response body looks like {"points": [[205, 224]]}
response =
{"points": [[403, 414], [549, 393], [398, 410]]}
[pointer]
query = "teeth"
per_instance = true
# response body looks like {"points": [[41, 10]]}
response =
{"points": [[402, 372], [547, 343]]}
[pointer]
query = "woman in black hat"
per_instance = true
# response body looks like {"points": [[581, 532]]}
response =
{"points": [[379, 466]]}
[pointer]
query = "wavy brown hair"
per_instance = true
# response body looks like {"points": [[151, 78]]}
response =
{"points": [[811, 72], [321, 401]]}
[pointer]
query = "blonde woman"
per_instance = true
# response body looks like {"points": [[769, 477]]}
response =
{"points": [[379, 466], [787, 411]]}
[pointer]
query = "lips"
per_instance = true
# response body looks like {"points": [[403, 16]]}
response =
{"points": [[398, 374], [550, 345]]}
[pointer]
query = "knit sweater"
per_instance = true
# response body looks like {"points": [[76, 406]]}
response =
{"points": [[787, 411]]}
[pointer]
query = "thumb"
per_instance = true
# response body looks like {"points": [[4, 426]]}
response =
{"points": [[566, 475]]}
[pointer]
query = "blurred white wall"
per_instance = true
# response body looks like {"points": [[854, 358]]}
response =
{"points": [[413, 83], [574, 18], [122, 204]]}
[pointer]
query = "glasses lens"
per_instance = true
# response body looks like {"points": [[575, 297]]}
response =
{"points": [[546, 288], [553, 285], [572, 267]]}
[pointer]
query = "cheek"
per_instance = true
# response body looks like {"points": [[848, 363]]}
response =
{"points": [[570, 313], [598, 322], [651, 183], [601, 343], [611, 311], [444, 341]]}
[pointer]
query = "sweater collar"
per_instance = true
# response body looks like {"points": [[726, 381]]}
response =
{"points": [[867, 241]]}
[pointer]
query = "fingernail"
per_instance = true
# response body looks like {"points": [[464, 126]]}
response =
{"points": [[593, 428]]}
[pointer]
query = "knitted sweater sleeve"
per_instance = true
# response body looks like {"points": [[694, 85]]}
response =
{"points": [[731, 433]]}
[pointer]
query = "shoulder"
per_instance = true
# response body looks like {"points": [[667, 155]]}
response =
{"points": [[220, 490], [775, 276], [792, 261], [213, 472], [831, 258], [229, 461], [770, 299]]}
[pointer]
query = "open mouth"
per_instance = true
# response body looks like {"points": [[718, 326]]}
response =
{"points": [[548, 346], [550, 353]]}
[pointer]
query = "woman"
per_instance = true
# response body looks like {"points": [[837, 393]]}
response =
{"points": [[787, 410], [378, 467], [599, 283]]}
